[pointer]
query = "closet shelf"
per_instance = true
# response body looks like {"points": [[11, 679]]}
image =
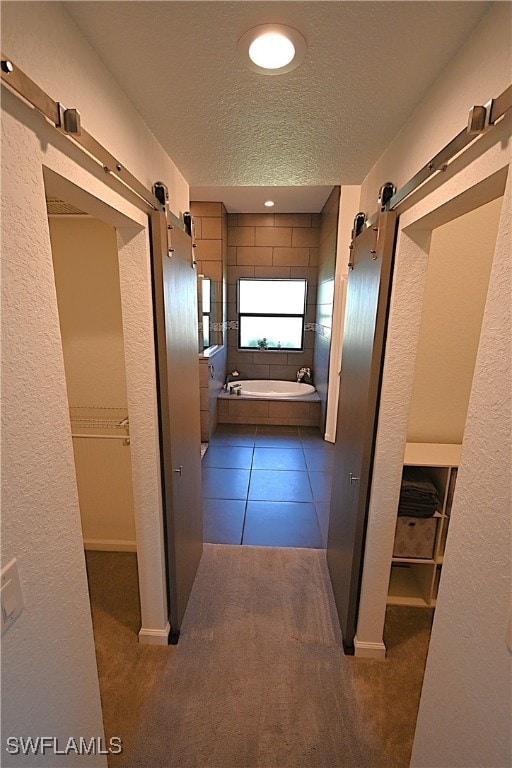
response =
{"points": [[415, 580], [406, 589], [102, 419]]}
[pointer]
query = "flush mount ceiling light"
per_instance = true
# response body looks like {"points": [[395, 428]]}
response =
{"points": [[269, 203], [272, 49]]}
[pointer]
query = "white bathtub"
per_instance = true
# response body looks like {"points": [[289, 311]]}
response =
{"points": [[271, 388]]}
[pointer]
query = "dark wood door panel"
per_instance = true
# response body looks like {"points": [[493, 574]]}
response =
{"points": [[175, 302], [362, 357]]}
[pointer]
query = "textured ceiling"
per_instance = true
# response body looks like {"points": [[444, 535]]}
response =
{"points": [[367, 66]]}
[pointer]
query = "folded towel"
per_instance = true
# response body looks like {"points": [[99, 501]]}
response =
{"points": [[418, 494], [410, 510]]}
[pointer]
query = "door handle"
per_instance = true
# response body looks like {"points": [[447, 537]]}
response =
{"points": [[179, 471], [353, 479]]}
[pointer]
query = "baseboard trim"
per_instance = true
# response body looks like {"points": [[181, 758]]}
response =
{"points": [[110, 545], [369, 650], [154, 636]]}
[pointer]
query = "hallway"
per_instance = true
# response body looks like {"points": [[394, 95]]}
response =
{"points": [[267, 486], [258, 678], [383, 91]]}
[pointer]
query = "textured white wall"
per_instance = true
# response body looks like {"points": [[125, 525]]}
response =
{"points": [[44, 42], [459, 265], [481, 70], [468, 705], [135, 278], [49, 679], [466, 698], [467, 188], [49, 673]]}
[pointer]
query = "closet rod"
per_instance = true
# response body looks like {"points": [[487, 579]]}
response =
{"points": [[481, 119], [103, 437], [67, 122]]}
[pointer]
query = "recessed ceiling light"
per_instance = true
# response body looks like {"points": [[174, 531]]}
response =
{"points": [[269, 203], [272, 49]]}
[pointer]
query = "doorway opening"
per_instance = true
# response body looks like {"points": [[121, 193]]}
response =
{"points": [[267, 470], [85, 260], [86, 272], [459, 265], [121, 329]]}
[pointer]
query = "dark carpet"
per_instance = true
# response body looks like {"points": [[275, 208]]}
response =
{"points": [[258, 678]]}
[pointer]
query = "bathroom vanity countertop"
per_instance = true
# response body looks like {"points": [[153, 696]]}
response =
{"points": [[210, 352]]}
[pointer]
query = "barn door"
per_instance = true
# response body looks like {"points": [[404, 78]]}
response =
{"points": [[175, 310], [366, 311]]}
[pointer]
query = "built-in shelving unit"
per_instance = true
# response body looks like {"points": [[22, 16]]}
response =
{"points": [[415, 580]]}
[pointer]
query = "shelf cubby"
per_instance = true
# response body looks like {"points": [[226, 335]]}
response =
{"points": [[415, 581]]}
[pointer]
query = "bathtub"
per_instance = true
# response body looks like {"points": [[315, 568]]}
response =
{"points": [[267, 401], [272, 389]]}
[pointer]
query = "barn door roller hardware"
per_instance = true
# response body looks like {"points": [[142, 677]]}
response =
{"points": [[190, 230], [161, 192], [68, 122], [386, 192], [480, 120], [357, 228]]}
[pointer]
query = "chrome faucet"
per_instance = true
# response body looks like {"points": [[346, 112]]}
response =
{"points": [[303, 372]]}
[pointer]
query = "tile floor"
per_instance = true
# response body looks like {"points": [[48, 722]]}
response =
{"points": [[267, 486]]}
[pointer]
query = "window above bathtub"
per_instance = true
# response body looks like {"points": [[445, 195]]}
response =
{"points": [[271, 314]]}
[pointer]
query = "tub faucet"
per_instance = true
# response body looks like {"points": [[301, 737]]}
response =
{"points": [[303, 372]]}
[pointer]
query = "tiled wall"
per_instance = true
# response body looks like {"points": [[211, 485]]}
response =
{"points": [[272, 245], [210, 222], [269, 245], [325, 295], [212, 373], [236, 410]]}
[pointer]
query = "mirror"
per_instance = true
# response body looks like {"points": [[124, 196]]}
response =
{"points": [[209, 302]]}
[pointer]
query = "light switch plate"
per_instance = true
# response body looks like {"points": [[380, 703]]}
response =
{"points": [[11, 595]]}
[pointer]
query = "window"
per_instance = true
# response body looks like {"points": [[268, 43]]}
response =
{"points": [[271, 314]]}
